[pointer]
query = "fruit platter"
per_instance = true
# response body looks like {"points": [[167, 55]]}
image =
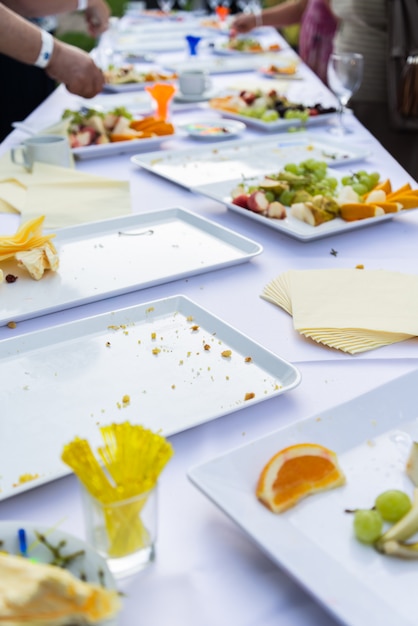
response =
{"points": [[309, 201], [270, 110], [91, 129], [246, 45], [127, 78], [311, 194]]}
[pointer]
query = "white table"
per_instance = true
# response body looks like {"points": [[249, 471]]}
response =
{"points": [[207, 571]]}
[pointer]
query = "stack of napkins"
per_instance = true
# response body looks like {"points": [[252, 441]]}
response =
{"points": [[64, 195], [353, 310]]}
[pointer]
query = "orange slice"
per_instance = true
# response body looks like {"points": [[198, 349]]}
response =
{"points": [[296, 472]]}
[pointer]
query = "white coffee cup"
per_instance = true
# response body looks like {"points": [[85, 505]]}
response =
{"points": [[194, 82], [53, 149]]}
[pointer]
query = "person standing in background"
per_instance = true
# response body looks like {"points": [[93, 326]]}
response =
{"points": [[317, 29], [363, 28], [28, 85]]}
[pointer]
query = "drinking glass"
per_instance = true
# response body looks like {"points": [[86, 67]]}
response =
{"points": [[166, 5], [345, 72]]}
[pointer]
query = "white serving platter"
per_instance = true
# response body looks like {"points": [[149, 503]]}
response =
{"points": [[165, 356], [221, 64], [120, 147], [244, 158], [291, 226], [314, 542], [97, 262], [89, 566], [280, 124]]}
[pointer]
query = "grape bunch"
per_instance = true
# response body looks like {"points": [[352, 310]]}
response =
{"points": [[389, 506], [362, 182]]}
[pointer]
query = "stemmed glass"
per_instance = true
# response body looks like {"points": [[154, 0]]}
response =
{"points": [[166, 5], [345, 72]]}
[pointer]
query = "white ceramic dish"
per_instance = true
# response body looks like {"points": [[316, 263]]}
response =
{"points": [[89, 566], [290, 226], [97, 262], [222, 64], [166, 355], [314, 542], [244, 158], [128, 87], [184, 98], [120, 147], [213, 130], [221, 48], [281, 75], [280, 124]]}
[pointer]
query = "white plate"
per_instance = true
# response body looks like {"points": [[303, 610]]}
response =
{"points": [[212, 130], [279, 124], [97, 262], [120, 147], [89, 566], [221, 64], [220, 48], [181, 97], [244, 158], [128, 87], [314, 541], [265, 73], [66, 380], [290, 225]]}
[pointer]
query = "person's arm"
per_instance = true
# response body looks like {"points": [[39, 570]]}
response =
{"points": [[97, 12], [285, 14], [22, 41]]}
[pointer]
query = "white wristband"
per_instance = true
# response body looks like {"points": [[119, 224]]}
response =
{"points": [[47, 47], [82, 5]]}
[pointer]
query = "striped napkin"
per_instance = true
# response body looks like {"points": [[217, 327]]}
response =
{"points": [[353, 310]]}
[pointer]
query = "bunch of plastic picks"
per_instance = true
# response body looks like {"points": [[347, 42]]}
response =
{"points": [[129, 465]]}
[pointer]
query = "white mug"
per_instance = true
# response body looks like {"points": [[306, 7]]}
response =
{"points": [[53, 149], [193, 82]]}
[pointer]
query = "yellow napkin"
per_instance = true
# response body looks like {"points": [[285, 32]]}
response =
{"points": [[351, 310], [64, 195]]}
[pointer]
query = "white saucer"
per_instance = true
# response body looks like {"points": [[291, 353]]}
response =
{"points": [[213, 130], [206, 95]]}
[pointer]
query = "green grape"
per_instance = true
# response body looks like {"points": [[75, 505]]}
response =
{"points": [[286, 197], [367, 525], [270, 116], [374, 177], [393, 505], [347, 180], [360, 188], [292, 167], [270, 196]]}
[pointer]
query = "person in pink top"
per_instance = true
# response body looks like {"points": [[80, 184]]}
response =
{"points": [[318, 26]]}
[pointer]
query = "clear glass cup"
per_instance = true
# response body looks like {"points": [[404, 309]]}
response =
{"points": [[123, 532], [344, 74]]}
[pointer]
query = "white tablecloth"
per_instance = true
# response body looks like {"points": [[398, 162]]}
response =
{"points": [[207, 571]]}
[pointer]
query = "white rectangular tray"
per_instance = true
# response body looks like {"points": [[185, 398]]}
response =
{"points": [[120, 147], [280, 124], [97, 262], [290, 225], [244, 158], [165, 355], [314, 541]]}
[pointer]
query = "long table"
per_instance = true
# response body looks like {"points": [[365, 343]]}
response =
{"points": [[207, 571]]}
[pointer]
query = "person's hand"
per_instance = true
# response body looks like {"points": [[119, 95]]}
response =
{"points": [[76, 69], [243, 23], [97, 17]]}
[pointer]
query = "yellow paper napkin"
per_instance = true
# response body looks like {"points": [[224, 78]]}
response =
{"points": [[351, 310], [65, 196]]}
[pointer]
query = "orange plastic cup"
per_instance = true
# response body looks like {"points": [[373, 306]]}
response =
{"points": [[222, 13], [162, 93]]}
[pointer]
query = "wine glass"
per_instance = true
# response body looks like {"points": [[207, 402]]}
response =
{"points": [[166, 5], [345, 72]]}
